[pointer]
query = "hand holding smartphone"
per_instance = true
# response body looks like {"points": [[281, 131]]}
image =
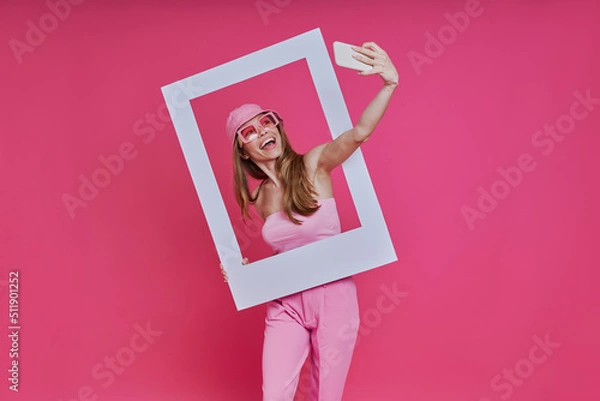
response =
{"points": [[343, 57]]}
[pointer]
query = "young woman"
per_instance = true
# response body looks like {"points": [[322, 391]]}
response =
{"points": [[295, 198]]}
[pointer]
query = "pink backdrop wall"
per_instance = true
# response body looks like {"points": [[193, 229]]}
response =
{"points": [[494, 217]]}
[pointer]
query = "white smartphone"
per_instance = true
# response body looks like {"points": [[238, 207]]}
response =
{"points": [[343, 57]]}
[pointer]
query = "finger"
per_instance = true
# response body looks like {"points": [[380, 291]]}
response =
{"points": [[364, 59], [372, 71], [374, 46], [364, 51]]}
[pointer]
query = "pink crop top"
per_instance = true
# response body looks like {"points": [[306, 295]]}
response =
{"points": [[282, 234]]}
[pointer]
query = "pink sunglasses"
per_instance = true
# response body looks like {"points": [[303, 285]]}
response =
{"points": [[266, 122]]}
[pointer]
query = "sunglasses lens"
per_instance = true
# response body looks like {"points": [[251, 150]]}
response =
{"points": [[268, 121], [247, 132]]}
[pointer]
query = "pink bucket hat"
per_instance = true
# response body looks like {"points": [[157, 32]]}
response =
{"points": [[240, 115]]}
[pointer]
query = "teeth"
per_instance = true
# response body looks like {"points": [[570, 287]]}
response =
{"points": [[267, 142]]}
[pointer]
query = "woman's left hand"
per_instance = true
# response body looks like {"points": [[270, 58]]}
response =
{"points": [[225, 278], [372, 54]]}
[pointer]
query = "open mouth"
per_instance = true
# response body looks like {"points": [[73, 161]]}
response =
{"points": [[269, 144]]}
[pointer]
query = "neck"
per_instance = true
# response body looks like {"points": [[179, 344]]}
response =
{"points": [[268, 167]]}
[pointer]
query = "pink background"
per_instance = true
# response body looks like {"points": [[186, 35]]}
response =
{"points": [[140, 252]]}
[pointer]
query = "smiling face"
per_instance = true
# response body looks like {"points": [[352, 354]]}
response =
{"points": [[263, 134]]}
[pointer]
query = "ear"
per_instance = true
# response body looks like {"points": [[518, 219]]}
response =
{"points": [[243, 154]]}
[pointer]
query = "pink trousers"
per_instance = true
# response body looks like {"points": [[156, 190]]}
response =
{"points": [[323, 319]]}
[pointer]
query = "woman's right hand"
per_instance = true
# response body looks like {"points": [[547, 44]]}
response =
{"points": [[225, 278], [372, 54]]}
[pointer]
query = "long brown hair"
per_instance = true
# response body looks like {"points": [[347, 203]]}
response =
{"points": [[298, 192]]}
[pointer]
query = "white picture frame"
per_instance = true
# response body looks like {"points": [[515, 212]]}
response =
{"points": [[355, 251]]}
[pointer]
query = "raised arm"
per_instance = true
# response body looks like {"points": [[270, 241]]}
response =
{"points": [[334, 153]]}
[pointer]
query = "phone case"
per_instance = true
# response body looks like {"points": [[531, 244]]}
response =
{"points": [[343, 57]]}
